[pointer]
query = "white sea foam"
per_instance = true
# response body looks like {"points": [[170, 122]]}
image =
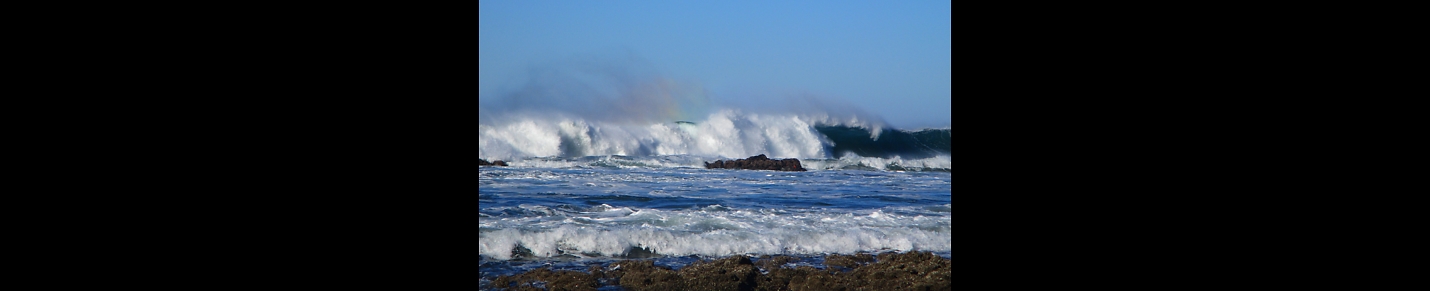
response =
{"points": [[853, 161], [724, 133], [850, 161], [558, 141], [713, 230]]}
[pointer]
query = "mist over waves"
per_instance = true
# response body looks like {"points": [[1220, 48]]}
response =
{"points": [[566, 112]]}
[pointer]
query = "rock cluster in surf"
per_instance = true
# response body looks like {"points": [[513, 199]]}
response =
{"points": [[481, 162], [892, 271], [759, 162]]}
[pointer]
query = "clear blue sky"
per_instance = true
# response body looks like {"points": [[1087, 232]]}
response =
{"points": [[888, 58]]}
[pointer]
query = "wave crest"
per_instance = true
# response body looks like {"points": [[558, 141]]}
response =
{"points": [[608, 231], [722, 134]]}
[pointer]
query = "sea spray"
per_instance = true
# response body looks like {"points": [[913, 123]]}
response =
{"points": [[721, 135]]}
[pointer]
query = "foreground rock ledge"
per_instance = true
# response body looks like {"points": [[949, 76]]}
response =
{"points": [[906, 271], [759, 162], [481, 162]]}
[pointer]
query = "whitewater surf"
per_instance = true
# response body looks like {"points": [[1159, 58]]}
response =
{"points": [[584, 191], [828, 143]]}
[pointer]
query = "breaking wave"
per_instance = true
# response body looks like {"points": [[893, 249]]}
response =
{"points": [[818, 140], [613, 231]]}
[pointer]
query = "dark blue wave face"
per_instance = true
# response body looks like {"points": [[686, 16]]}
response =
{"points": [[910, 145]]}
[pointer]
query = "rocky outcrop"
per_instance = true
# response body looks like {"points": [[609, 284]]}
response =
{"points": [[890, 271], [731, 273], [848, 261], [759, 162], [905, 271], [481, 162], [551, 280]]}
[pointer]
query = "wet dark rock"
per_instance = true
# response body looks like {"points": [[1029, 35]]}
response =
{"points": [[558, 280], [808, 278], [732, 273], [906, 271], [770, 263], [794, 279], [481, 162], [640, 253], [645, 275], [891, 271], [848, 261], [522, 253], [597, 272], [759, 162]]}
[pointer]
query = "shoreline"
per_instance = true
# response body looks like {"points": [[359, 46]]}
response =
{"points": [[916, 270]]}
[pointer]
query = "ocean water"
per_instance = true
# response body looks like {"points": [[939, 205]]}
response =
{"points": [[582, 193]]}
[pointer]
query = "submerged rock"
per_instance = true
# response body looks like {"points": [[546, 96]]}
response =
{"points": [[481, 162], [759, 162]]}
